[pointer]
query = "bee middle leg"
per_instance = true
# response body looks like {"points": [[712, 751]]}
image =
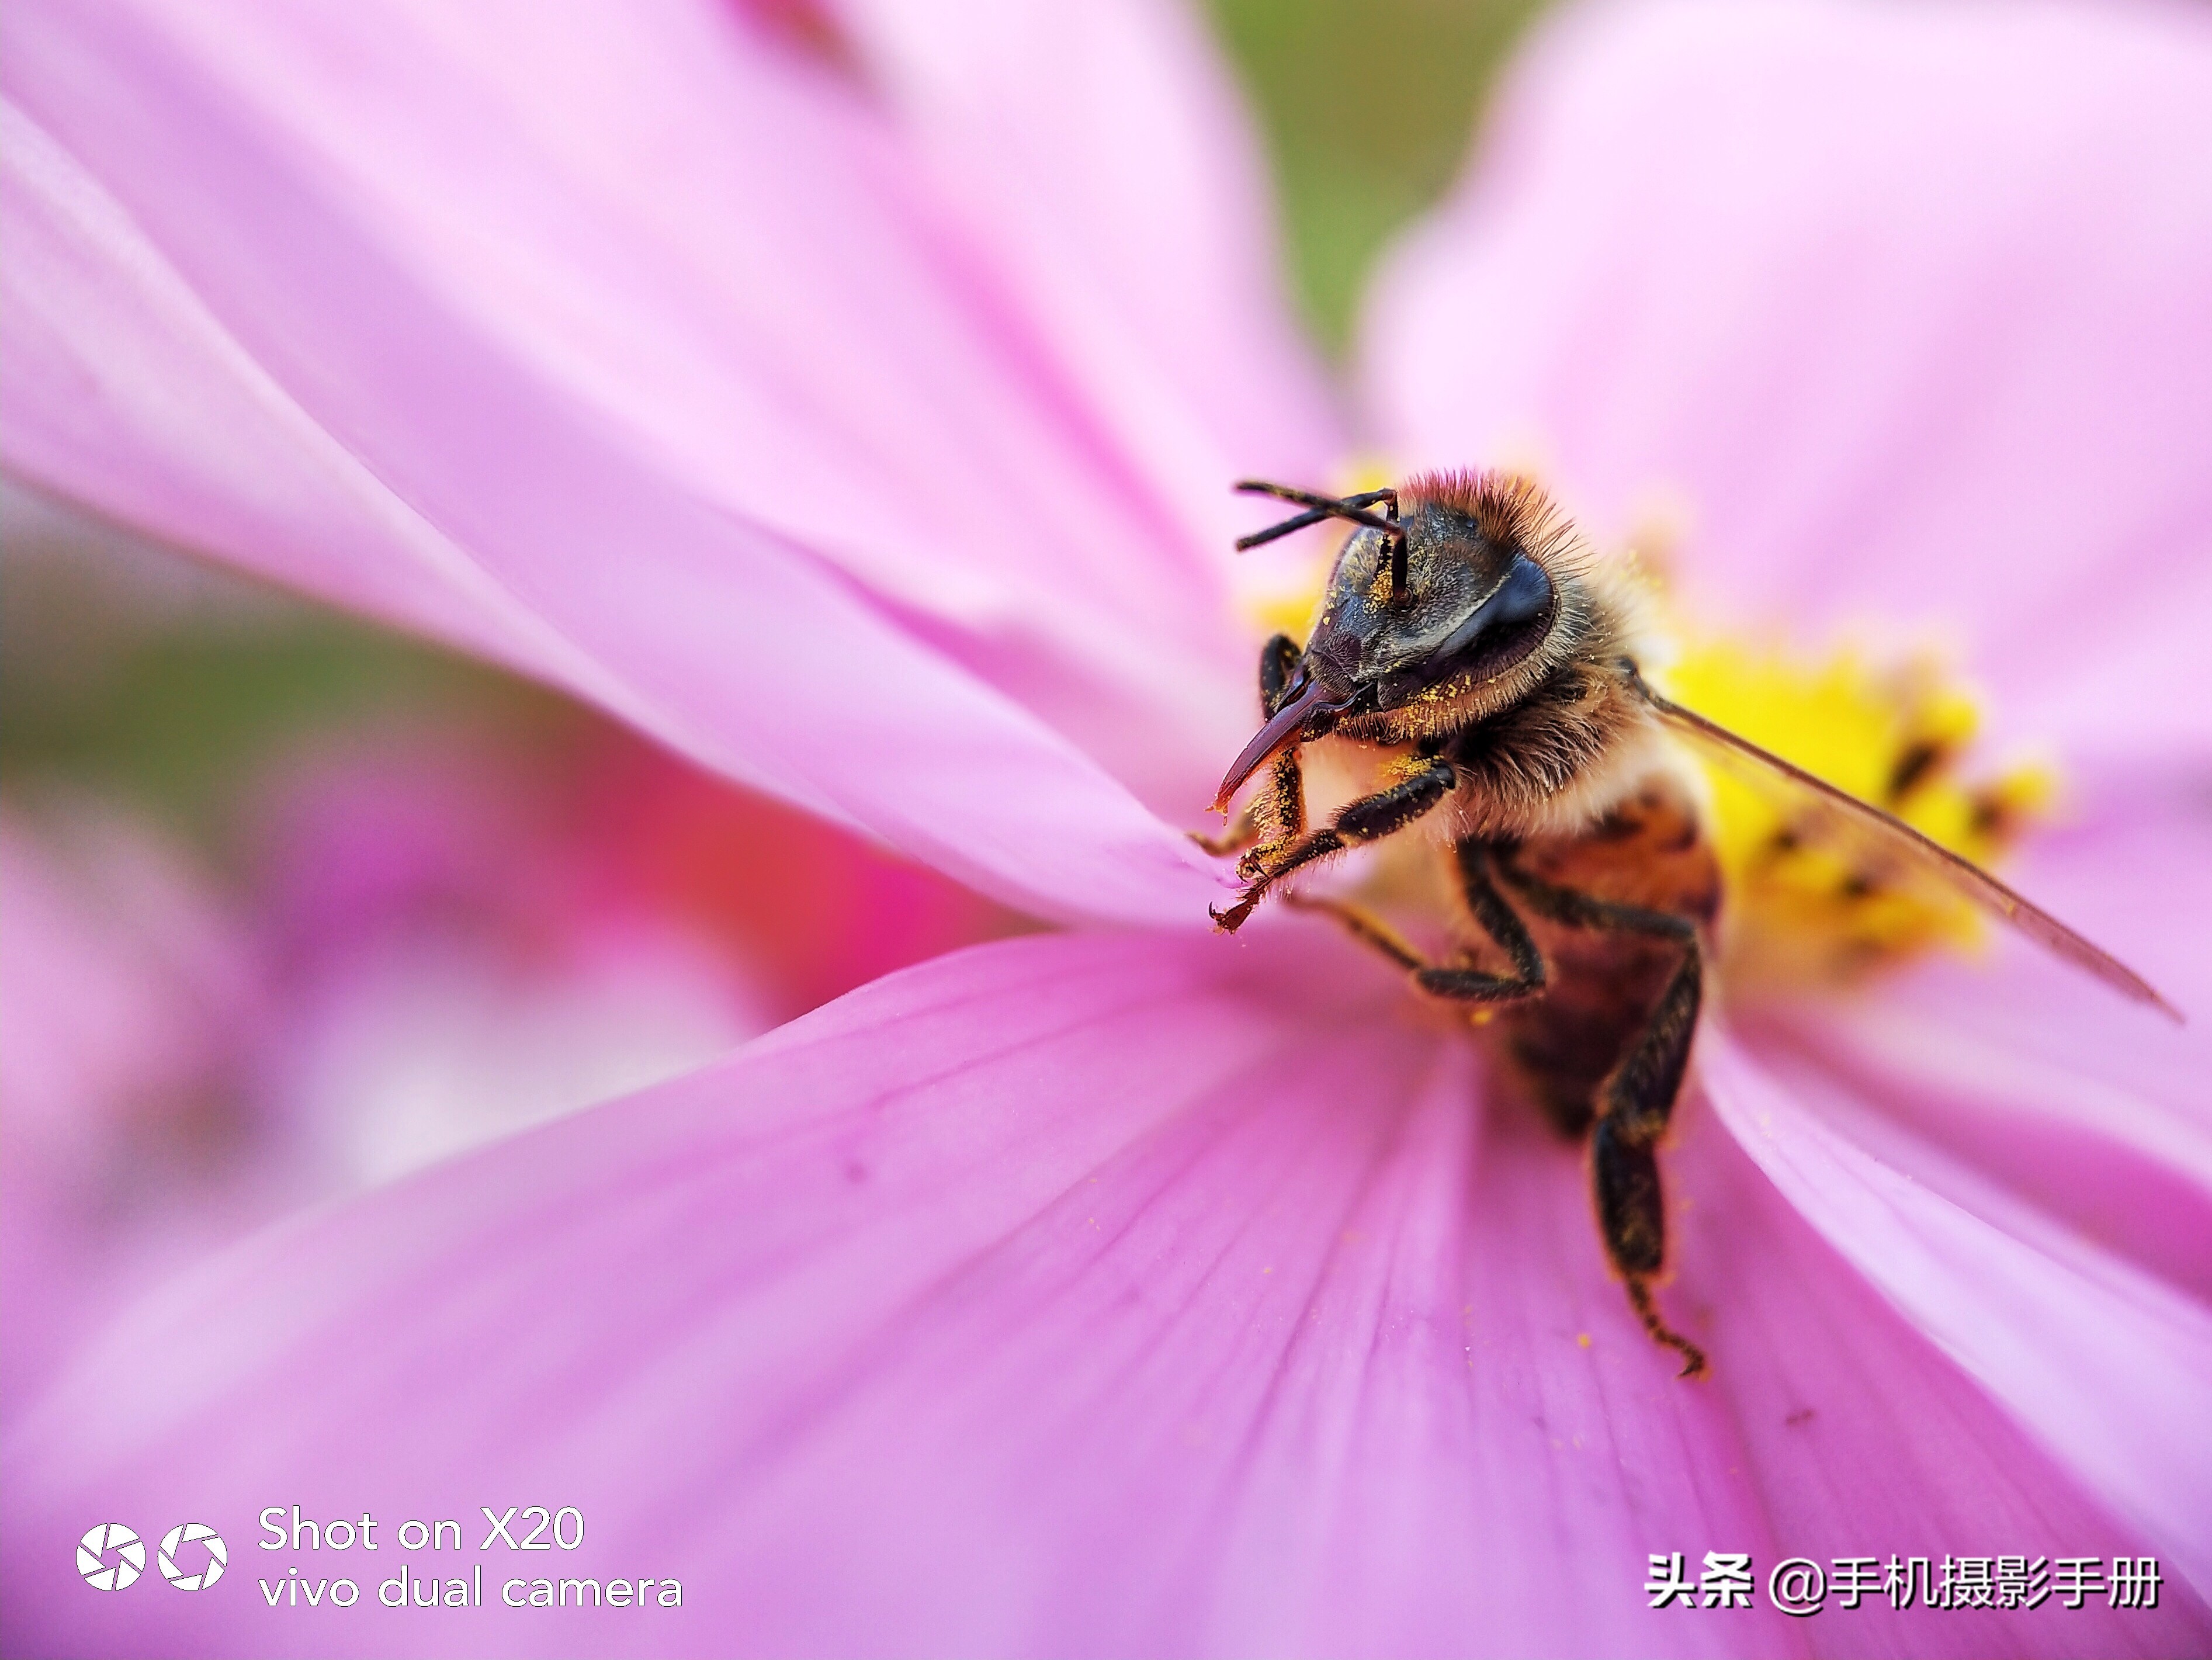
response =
{"points": [[1460, 982], [1426, 780], [1636, 1098], [1277, 814]]}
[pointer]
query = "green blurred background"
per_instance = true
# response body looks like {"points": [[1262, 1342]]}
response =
{"points": [[1367, 109], [155, 682]]}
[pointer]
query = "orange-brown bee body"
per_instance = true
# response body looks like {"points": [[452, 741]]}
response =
{"points": [[1649, 853]]}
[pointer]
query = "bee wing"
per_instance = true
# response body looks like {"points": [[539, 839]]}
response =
{"points": [[1856, 824]]}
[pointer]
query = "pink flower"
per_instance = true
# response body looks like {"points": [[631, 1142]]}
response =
{"points": [[186, 1063], [428, 937], [122, 977], [857, 424], [451, 972]]}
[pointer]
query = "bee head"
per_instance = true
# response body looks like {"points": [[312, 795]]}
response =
{"points": [[1436, 617]]}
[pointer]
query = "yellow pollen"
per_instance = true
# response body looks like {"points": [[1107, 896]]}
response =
{"points": [[1800, 911]]}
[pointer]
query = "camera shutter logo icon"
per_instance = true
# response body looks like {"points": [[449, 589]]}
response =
{"points": [[191, 1533], [103, 1571]]}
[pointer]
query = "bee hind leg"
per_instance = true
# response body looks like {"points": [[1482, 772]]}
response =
{"points": [[1633, 1216], [1637, 1099]]}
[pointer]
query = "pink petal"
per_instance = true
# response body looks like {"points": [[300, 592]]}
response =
{"points": [[595, 192], [2077, 1105], [2089, 1108], [2100, 1364], [2130, 861], [1859, 1429], [1107, 158], [119, 968], [124, 982], [663, 461], [1903, 305], [124, 391], [1078, 1294], [954, 773]]}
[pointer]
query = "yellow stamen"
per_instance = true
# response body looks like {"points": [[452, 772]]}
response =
{"points": [[1801, 910], [1287, 610]]}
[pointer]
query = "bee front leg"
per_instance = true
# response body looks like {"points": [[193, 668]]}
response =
{"points": [[1275, 815], [1637, 1099], [1278, 661], [1427, 781]]}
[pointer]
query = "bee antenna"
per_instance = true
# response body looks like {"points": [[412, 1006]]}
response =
{"points": [[1353, 508]]}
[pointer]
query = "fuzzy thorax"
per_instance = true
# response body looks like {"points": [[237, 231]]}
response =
{"points": [[1555, 742]]}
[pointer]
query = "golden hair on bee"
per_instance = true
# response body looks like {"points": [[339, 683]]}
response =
{"points": [[1552, 744], [1477, 618]]}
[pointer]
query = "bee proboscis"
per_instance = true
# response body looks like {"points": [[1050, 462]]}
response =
{"points": [[1468, 642]]}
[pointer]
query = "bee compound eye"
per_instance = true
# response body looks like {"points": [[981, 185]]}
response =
{"points": [[1504, 628]]}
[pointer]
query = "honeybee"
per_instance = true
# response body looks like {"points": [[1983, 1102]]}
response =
{"points": [[1486, 667]]}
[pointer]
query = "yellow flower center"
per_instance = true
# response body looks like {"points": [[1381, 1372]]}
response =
{"points": [[1800, 912]]}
